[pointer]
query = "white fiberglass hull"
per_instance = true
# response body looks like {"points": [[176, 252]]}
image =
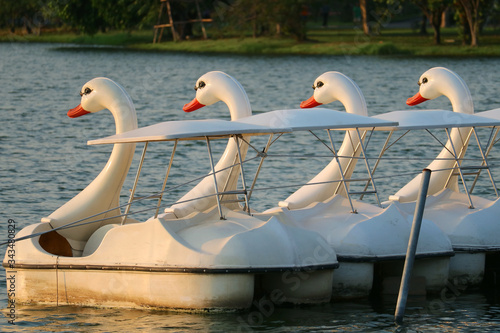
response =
{"points": [[179, 291], [199, 263], [473, 231], [371, 236]]}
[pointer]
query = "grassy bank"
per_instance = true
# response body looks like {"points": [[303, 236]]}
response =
{"points": [[322, 41]]}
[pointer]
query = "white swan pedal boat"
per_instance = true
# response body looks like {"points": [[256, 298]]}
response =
{"points": [[370, 240], [470, 221], [89, 253]]}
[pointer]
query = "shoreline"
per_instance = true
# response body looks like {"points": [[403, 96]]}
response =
{"points": [[322, 42]]}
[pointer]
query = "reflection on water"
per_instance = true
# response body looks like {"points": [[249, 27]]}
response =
{"points": [[468, 312], [45, 161]]}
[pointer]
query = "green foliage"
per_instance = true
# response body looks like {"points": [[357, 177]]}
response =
{"points": [[92, 16], [258, 18], [81, 15], [16, 13], [380, 49], [265, 17], [471, 19], [292, 16], [124, 14]]}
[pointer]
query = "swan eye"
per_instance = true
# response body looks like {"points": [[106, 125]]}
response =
{"points": [[318, 85], [201, 84], [86, 91], [424, 80]]}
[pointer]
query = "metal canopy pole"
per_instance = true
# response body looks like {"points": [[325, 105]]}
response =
{"points": [[461, 155], [215, 178], [243, 183], [491, 143], [353, 156], [230, 173], [492, 139], [484, 164], [382, 152], [412, 247], [132, 192], [263, 155], [166, 178], [457, 161], [368, 167], [341, 172]]}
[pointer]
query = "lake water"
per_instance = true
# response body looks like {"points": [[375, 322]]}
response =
{"points": [[45, 161]]}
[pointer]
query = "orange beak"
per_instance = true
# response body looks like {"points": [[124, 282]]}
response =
{"points": [[77, 112], [193, 105], [417, 99], [310, 103]]}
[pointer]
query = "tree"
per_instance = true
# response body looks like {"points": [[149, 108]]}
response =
{"points": [[20, 13], [289, 16], [253, 14], [433, 10], [81, 15], [364, 16], [94, 15], [125, 14], [474, 12]]}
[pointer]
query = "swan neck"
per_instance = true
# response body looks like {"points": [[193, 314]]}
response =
{"points": [[125, 116], [459, 95], [351, 96], [462, 103], [355, 104], [236, 99]]}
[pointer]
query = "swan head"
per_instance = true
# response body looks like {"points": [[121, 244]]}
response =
{"points": [[440, 81], [335, 86], [218, 86], [102, 93], [99, 94]]}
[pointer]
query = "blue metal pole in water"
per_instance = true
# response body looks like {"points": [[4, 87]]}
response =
{"points": [[412, 247]]}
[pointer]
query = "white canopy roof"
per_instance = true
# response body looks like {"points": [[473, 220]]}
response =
{"points": [[494, 114], [265, 123], [187, 130], [314, 119], [428, 119]]}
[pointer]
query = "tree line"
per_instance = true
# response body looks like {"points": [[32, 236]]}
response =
{"points": [[260, 17]]}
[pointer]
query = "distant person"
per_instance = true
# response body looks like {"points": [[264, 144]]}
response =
{"points": [[304, 13], [356, 12], [325, 12]]}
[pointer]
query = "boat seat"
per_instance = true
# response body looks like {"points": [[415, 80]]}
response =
{"points": [[96, 238]]}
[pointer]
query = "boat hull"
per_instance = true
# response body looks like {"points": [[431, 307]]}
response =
{"points": [[197, 292], [371, 238], [431, 275], [352, 280], [467, 269], [302, 287], [473, 232], [106, 288], [200, 263]]}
